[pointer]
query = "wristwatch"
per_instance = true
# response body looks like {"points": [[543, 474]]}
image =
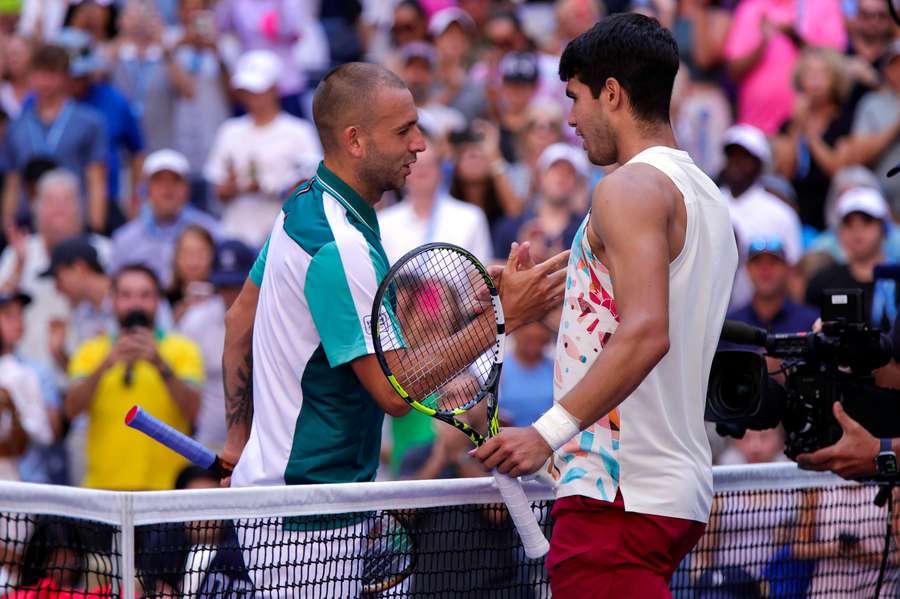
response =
{"points": [[886, 462]]}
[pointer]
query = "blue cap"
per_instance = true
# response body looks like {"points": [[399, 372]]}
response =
{"points": [[234, 259]]}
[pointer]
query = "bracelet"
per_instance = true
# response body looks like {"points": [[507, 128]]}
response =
{"points": [[557, 426], [498, 167]]}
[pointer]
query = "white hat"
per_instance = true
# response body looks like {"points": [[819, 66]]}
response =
{"points": [[751, 139], [445, 17], [166, 160], [863, 199], [562, 151], [257, 71]]}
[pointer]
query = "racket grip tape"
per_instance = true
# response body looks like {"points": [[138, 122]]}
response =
{"points": [[177, 441], [517, 503]]}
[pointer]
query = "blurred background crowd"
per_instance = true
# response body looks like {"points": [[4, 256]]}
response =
{"points": [[148, 144]]}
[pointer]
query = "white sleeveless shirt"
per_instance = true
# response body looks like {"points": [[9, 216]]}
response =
{"points": [[654, 445]]}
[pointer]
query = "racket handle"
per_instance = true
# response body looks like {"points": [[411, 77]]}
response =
{"points": [[533, 539], [177, 441]]}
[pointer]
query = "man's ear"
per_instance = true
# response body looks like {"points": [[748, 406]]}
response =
{"points": [[352, 141], [612, 94]]}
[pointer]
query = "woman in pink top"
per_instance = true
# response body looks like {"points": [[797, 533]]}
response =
{"points": [[764, 43]]}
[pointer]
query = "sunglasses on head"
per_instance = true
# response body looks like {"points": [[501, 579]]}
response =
{"points": [[772, 245]]}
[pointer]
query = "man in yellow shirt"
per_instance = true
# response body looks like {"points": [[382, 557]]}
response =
{"points": [[161, 372]]}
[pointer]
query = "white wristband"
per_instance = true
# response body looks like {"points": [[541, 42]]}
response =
{"points": [[557, 426]]}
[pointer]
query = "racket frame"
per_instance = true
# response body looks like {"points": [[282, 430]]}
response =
{"points": [[488, 391]]}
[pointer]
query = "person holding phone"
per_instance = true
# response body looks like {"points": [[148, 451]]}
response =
{"points": [[138, 365]]}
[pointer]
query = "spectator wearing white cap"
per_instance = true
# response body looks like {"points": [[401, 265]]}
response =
{"points": [[558, 208], [258, 157], [864, 218], [755, 212], [429, 214], [150, 238]]}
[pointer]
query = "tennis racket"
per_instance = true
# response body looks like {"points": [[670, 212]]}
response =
{"points": [[177, 441], [438, 333]]}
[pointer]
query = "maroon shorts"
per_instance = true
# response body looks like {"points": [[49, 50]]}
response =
{"points": [[600, 551]]}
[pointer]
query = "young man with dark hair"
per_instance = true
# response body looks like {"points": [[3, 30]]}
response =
{"points": [[647, 290], [139, 365], [56, 127]]}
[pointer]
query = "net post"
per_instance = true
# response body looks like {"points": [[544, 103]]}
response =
{"points": [[126, 546]]}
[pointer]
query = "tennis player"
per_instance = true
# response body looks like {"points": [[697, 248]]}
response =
{"points": [[648, 283], [320, 393]]}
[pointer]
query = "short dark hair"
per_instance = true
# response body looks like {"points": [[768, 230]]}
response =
{"points": [[633, 49], [49, 57], [139, 268], [347, 93]]}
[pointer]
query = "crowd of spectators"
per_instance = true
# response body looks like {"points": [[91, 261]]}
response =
{"points": [[148, 144]]}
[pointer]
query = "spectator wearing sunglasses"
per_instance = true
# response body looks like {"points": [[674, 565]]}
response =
{"points": [[770, 307]]}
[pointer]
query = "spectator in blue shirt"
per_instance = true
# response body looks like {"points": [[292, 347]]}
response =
{"points": [[770, 307], [54, 126], [150, 238], [123, 132]]}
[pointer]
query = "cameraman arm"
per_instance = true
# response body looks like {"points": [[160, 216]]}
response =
{"points": [[853, 456]]}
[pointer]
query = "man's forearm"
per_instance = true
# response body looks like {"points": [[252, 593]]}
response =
{"points": [[237, 374], [867, 148], [79, 395], [237, 370], [622, 365]]}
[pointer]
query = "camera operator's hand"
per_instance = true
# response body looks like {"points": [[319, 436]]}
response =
{"points": [[852, 457]]}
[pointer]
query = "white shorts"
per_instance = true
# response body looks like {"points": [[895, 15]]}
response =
{"points": [[306, 564]]}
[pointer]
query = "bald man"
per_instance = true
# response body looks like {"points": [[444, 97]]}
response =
{"points": [[320, 394]]}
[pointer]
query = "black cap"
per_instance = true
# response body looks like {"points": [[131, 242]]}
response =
{"points": [[520, 67], [7, 297], [70, 251], [234, 260]]}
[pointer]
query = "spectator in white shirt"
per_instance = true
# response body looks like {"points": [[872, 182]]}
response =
{"points": [[258, 157], [755, 212], [429, 214]]}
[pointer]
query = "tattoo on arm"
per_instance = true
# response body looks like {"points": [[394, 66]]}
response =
{"points": [[239, 399]]}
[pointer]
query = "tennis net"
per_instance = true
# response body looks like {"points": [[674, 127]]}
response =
{"points": [[775, 532]]}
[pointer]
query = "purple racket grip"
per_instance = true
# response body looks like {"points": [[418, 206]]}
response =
{"points": [[171, 438]]}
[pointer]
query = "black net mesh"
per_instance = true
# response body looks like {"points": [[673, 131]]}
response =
{"points": [[762, 543]]}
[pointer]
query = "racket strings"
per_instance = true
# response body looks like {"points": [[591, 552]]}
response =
{"points": [[437, 294]]}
